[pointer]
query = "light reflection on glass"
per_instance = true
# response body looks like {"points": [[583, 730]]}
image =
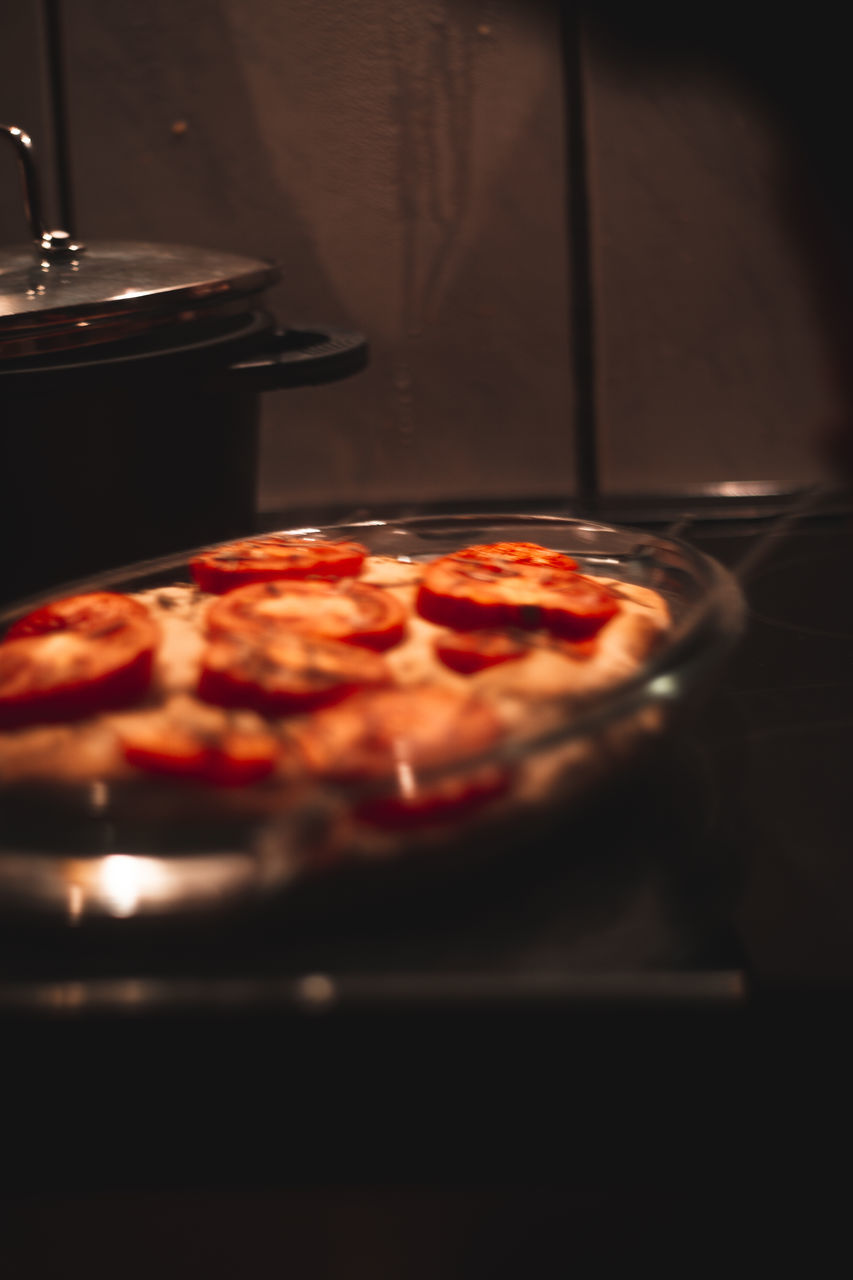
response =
{"points": [[406, 779], [124, 881], [75, 903], [665, 686]]}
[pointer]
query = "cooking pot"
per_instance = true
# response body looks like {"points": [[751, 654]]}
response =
{"points": [[129, 383]]}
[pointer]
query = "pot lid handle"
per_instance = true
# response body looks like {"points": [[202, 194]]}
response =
{"points": [[56, 244]]}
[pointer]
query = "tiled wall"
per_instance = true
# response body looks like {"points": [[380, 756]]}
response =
{"points": [[22, 102], [406, 162], [709, 358]]}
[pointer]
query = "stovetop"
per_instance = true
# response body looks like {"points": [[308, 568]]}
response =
{"points": [[593, 1011], [786, 706]]}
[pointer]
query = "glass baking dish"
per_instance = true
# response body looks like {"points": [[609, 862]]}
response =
{"points": [[136, 848]]}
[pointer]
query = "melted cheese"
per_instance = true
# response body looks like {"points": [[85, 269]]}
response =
{"points": [[533, 692]]}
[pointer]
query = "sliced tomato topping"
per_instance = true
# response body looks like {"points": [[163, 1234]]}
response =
{"points": [[517, 553], [468, 594], [273, 557], [285, 673], [471, 651], [164, 747], [381, 732], [353, 612], [95, 613], [75, 657], [578, 609], [392, 736], [230, 758]]}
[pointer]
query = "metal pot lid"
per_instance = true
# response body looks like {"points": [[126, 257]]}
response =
{"points": [[110, 281], [58, 292]]}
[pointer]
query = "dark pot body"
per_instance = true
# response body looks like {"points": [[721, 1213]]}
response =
{"points": [[145, 448]]}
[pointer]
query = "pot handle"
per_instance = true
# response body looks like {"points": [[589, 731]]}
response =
{"points": [[301, 358]]}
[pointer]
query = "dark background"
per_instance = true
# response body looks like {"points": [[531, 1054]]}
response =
{"points": [[414, 168]]}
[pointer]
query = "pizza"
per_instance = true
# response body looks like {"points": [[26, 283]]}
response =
{"points": [[285, 667]]}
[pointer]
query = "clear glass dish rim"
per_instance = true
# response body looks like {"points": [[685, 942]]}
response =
{"points": [[708, 628]]}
